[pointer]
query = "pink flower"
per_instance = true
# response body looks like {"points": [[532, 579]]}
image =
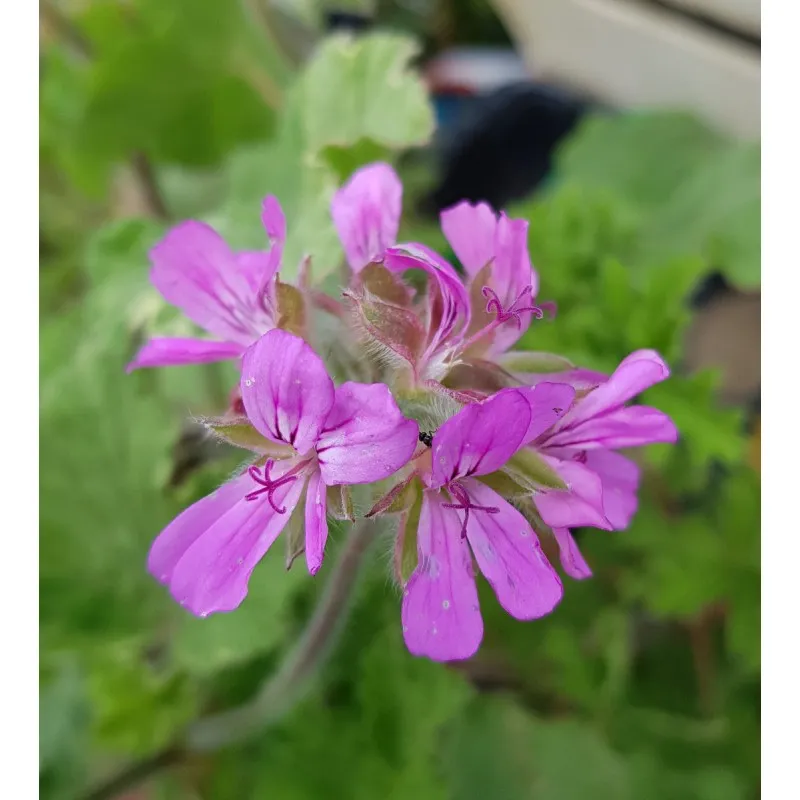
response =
{"points": [[366, 213], [494, 253], [484, 318], [580, 448], [462, 517], [230, 295], [325, 436]]}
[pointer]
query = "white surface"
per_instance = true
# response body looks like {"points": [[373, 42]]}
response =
{"points": [[633, 55]]}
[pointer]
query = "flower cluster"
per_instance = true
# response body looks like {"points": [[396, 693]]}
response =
{"points": [[474, 452]]}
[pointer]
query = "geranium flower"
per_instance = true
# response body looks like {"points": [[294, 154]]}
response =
{"points": [[581, 447], [322, 436], [462, 517], [231, 295]]}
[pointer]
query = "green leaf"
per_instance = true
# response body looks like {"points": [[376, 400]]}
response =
{"points": [[352, 91], [709, 432], [644, 156], [138, 707], [497, 750], [717, 212], [211, 101], [361, 88], [63, 718]]}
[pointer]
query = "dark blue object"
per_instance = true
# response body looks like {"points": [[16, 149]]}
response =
{"points": [[499, 147]]}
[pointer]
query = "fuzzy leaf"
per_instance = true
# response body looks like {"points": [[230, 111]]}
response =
{"points": [[240, 433]]}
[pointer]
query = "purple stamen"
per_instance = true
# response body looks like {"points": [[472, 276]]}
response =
{"points": [[268, 485], [464, 503], [494, 306]]}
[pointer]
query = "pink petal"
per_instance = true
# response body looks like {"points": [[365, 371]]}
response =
{"points": [[286, 390], [195, 270], [470, 231], [366, 438], [580, 379], [510, 556], [208, 553], [572, 560], [581, 505], [366, 213], [620, 478], [511, 275], [512, 270], [257, 268], [633, 426], [441, 616], [316, 522], [448, 301], [480, 438], [168, 352], [640, 370], [548, 402], [171, 544], [275, 225]]}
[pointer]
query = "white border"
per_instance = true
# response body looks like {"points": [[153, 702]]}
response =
{"points": [[780, 320], [19, 396]]}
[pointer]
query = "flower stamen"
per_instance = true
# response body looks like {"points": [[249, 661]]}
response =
{"points": [[514, 310], [466, 505], [268, 485]]}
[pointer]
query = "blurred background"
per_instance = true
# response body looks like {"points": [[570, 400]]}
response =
{"points": [[627, 133]]}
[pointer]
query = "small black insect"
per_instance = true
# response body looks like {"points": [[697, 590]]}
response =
{"points": [[426, 438]]}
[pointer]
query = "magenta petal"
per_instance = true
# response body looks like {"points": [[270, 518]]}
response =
{"points": [[171, 544], [572, 560], [441, 616], [512, 270], [640, 370], [316, 522], [366, 438], [215, 544], [548, 402], [257, 267], [470, 230], [195, 270], [510, 557], [480, 438], [620, 478], [448, 301], [286, 390], [581, 505], [366, 213], [633, 426], [580, 379], [168, 352], [275, 224]]}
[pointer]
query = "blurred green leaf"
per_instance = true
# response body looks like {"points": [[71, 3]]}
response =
{"points": [[497, 750], [340, 113], [643, 156], [138, 707], [63, 718], [717, 212]]}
